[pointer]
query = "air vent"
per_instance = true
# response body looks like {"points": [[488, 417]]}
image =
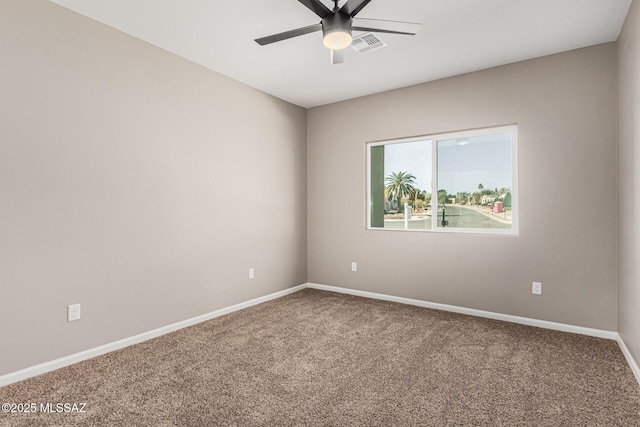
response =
{"points": [[367, 42]]}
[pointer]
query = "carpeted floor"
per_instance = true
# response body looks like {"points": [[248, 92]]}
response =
{"points": [[321, 358]]}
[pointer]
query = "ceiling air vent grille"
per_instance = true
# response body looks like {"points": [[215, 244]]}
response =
{"points": [[367, 42]]}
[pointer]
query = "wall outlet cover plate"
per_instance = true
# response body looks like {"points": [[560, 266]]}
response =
{"points": [[73, 312]]}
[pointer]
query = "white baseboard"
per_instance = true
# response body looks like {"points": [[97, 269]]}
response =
{"points": [[473, 312], [97, 351], [627, 354]]}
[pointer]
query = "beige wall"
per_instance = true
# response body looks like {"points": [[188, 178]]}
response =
{"points": [[565, 106], [135, 183], [629, 180]]}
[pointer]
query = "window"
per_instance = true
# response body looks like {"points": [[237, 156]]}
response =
{"points": [[462, 181]]}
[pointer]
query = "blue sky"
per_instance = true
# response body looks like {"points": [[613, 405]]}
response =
{"points": [[413, 157], [462, 163]]}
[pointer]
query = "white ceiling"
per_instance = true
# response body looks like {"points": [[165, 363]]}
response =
{"points": [[457, 36]]}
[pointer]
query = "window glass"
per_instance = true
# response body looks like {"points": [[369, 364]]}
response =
{"points": [[475, 182], [405, 185]]}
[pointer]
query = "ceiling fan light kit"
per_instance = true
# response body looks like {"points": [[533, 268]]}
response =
{"points": [[336, 30], [337, 26]]}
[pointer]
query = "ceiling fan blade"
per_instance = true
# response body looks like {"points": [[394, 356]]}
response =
{"points": [[352, 7], [288, 34], [317, 7], [383, 26], [378, 30], [337, 56]]}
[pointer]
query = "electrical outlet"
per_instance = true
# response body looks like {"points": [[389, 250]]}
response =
{"points": [[252, 273], [536, 288], [354, 266], [73, 312]]}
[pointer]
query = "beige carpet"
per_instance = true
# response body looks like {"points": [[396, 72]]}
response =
{"points": [[320, 358]]}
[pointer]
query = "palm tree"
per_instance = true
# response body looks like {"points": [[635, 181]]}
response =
{"points": [[479, 193], [399, 185]]}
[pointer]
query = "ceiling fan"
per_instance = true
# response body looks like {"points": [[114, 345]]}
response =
{"points": [[337, 24]]}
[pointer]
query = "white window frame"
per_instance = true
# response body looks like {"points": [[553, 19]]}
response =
{"points": [[435, 138]]}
